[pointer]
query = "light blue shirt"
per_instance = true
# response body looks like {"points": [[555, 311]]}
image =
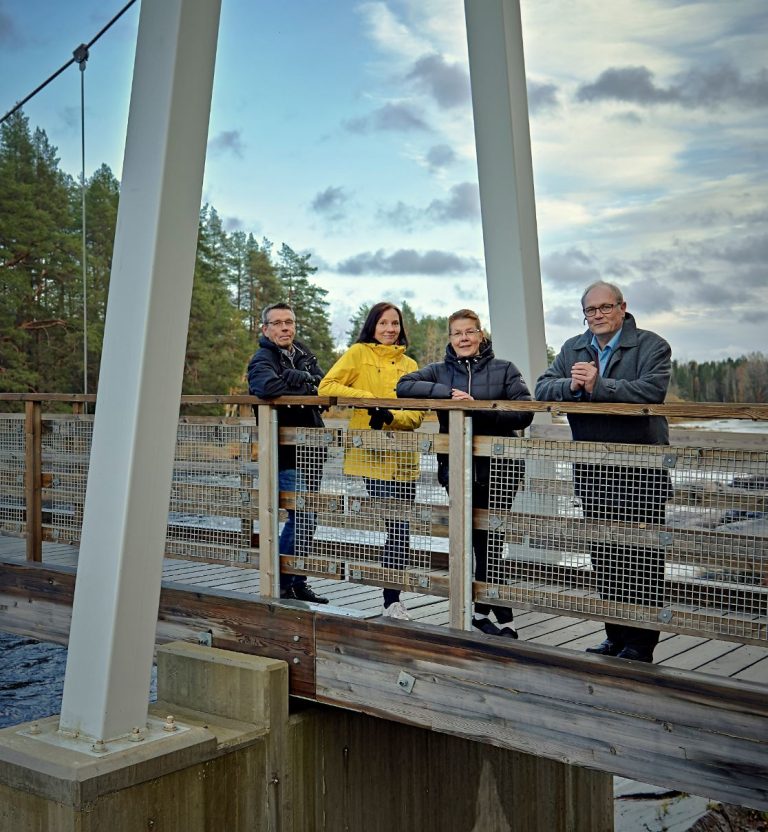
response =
{"points": [[605, 352]]}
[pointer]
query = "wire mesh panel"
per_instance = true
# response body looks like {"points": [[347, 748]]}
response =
{"points": [[66, 451], [368, 506], [214, 501], [12, 450], [671, 536]]}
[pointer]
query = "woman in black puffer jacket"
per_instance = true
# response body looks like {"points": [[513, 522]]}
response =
{"points": [[470, 371]]}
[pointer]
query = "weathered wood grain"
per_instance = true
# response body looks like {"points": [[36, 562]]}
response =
{"points": [[701, 735]]}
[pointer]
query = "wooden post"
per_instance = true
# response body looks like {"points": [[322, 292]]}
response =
{"points": [[269, 550], [33, 480], [460, 519]]}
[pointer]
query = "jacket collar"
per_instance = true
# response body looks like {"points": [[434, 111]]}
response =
{"points": [[485, 354], [628, 336], [265, 343]]}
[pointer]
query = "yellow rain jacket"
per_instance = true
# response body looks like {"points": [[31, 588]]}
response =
{"points": [[372, 371]]}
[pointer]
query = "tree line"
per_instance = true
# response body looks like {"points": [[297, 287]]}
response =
{"points": [[42, 301], [742, 379]]}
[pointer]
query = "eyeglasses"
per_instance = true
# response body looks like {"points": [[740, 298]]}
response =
{"points": [[604, 309], [467, 332], [286, 322]]}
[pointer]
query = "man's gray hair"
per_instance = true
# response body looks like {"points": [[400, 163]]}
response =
{"points": [[605, 285], [267, 309]]}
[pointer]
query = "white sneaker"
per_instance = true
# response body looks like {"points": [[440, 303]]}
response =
{"points": [[397, 610]]}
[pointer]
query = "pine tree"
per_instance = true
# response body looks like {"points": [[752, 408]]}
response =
{"points": [[218, 346], [40, 290], [308, 301]]}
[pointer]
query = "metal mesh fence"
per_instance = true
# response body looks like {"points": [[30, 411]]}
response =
{"points": [[663, 536], [214, 497], [66, 448], [368, 506], [666, 535], [12, 450]]}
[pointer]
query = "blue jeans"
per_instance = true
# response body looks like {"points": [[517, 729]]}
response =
{"points": [[299, 529]]}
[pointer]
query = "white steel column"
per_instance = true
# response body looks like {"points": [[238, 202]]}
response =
{"points": [[106, 686], [502, 137]]}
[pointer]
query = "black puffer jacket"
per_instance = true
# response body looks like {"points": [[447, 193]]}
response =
{"points": [[484, 377], [266, 379]]}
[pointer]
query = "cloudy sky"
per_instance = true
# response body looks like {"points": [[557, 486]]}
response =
{"points": [[344, 128]]}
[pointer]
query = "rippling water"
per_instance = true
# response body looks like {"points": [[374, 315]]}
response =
{"points": [[31, 679]]}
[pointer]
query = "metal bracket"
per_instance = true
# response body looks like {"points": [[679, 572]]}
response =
{"points": [[405, 681], [356, 506], [301, 436], [331, 568], [669, 460], [665, 616], [357, 441], [666, 538], [497, 448], [327, 438], [298, 563], [424, 582], [206, 638], [426, 446], [245, 497], [243, 556], [495, 523], [492, 592], [301, 502], [333, 505], [425, 515], [357, 574]]}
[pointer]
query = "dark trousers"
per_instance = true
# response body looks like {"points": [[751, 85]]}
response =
{"points": [[506, 475], [397, 546], [626, 573]]}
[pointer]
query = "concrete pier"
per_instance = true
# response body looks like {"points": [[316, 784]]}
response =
{"points": [[241, 762]]}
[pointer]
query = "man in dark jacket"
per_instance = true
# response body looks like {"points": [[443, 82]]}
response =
{"points": [[471, 371], [614, 361], [282, 366]]}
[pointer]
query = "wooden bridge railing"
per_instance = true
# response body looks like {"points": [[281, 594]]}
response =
{"points": [[701, 568]]}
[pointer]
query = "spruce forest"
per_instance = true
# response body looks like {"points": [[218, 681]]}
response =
{"points": [[236, 275]]}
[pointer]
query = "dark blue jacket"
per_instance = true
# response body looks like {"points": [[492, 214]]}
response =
{"points": [[266, 380], [484, 377]]}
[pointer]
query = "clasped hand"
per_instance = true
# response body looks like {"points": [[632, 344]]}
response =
{"points": [[583, 376]]}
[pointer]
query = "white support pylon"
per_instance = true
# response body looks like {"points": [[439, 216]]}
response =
{"points": [[112, 638], [505, 172]]}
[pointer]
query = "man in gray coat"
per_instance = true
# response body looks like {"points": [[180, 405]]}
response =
{"points": [[614, 361]]}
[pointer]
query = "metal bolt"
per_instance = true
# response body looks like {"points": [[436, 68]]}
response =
{"points": [[34, 728], [137, 735], [296, 660], [295, 638], [170, 724], [99, 747]]}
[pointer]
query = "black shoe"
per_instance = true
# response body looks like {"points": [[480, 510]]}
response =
{"points": [[606, 648], [302, 592], [487, 626], [635, 655], [508, 632]]}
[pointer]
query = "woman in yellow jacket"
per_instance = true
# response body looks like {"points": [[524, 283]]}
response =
{"points": [[370, 369]]}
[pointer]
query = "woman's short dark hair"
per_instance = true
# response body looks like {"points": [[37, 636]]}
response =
{"points": [[368, 330]]}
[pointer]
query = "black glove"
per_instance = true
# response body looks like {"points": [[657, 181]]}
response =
{"points": [[380, 416], [297, 378]]}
